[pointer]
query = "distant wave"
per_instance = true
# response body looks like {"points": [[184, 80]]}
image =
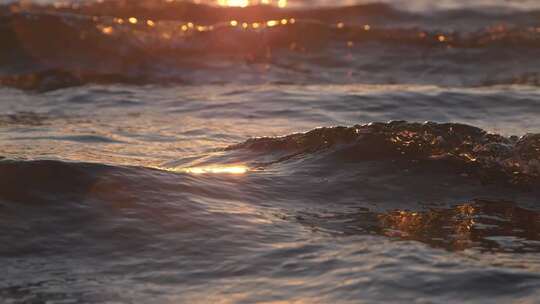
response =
{"points": [[47, 47], [53, 79]]}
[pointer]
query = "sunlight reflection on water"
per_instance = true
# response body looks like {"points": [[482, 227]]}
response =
{"points": [[214, 169]]}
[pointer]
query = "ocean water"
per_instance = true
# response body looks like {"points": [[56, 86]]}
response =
{"points": [[292, 152]]}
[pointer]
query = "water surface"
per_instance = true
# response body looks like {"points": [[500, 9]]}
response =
{"points": [[317, 152]]}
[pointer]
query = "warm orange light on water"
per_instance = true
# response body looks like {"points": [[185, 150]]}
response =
{"points": [[245, 3], [107, 30], [272, 23], [240, 3]]}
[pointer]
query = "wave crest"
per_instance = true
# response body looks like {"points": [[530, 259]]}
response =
{"points": [[515, 159]]}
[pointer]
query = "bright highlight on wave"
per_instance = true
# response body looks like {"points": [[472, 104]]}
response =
{"points": [[237, 169], [244, 3]]}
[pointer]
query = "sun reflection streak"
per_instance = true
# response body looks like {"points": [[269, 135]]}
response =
{"points": [[234, 169], [119, 26], [211, 169]]}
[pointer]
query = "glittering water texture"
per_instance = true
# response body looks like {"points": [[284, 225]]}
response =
{"points": [[269, 152]]}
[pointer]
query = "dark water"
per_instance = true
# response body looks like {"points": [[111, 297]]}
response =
{"points": [[318, 152]]}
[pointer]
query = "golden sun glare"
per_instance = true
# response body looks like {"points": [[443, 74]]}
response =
{"points": [[244, 3]]}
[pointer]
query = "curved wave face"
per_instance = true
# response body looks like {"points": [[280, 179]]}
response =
{"points": [[269, 151]]}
